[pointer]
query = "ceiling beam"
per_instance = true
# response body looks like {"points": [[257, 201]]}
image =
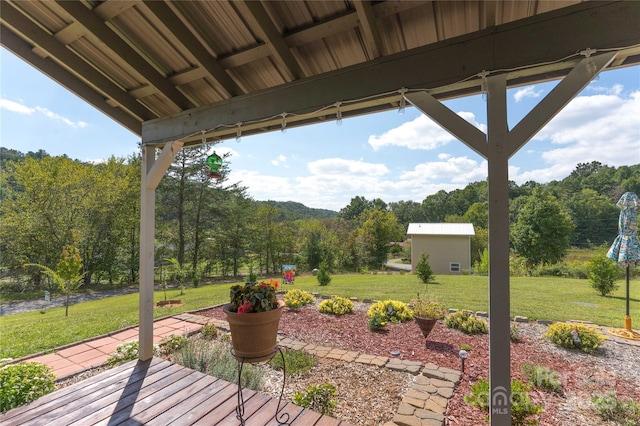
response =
{"points": [[538, 40], [271, 35], [13, 19], [85, 17], [167, 16], [369, 27], [59, 74]]}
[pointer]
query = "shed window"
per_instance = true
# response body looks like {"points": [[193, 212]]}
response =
{"points": [[454, 267]]}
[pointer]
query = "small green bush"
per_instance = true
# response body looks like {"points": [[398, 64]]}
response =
{"points": [[384, 312], [24, 382], [563, 334], [514, 334], [126, 352], [542, 377], [323, 276], [209, 331], [466, 347], [465, 322], [171, 343], [603, 274], [336, 306], [213, 357], [521, 406], [296, 362], [318, 398], [424, 271], [610, 408], [296, 298]]}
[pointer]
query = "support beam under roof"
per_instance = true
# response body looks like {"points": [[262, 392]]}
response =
{"points": [[500, 145]]}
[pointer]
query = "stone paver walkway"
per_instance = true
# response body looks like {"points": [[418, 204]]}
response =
{"points": [[77, 357]]}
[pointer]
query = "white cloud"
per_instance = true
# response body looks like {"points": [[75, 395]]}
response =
{"points": [[601, 127], [281, 159], [527, 92], [342, 167], [57, 117], [23, 109], [421, 133], [15, 107], [456, 170]]}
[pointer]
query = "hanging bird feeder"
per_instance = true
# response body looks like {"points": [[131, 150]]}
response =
{"points": [[214, 162]]}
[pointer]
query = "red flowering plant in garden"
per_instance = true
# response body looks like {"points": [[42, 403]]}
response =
{"points": [[254, 297]]}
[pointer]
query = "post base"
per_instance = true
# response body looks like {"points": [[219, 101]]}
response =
{"points": [[626, 332]]}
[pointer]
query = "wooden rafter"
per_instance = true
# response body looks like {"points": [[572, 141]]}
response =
{"points": [[99, 29], [215, 71]]}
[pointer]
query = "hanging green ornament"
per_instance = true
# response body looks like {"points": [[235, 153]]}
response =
{"points": [[214, 161]]}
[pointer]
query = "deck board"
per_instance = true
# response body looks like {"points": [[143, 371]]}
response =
{"points": [[156, 392]]}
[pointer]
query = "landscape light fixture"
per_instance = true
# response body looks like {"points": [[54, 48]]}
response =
{"points": [[463, 355]]}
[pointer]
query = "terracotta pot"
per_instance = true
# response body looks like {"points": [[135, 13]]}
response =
{"points": [[254, 335], [425, 324]]}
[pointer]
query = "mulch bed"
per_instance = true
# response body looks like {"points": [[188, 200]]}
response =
{"points": [[582, 375]]}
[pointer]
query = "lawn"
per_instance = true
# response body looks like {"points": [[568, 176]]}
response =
{"points": [[558, 299]]}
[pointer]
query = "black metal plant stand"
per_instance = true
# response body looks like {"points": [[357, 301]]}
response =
{"points": [[281, 418]]}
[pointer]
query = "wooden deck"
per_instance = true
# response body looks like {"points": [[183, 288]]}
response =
{"points": [[156, 392]]}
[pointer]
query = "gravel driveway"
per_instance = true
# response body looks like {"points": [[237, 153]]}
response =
{"points": [[38, 304]]}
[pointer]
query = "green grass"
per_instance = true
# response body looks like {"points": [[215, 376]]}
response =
{"points": [[33, 332], [557, 299]]}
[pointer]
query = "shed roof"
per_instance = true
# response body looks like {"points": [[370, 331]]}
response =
{"points": [[440, 229]]}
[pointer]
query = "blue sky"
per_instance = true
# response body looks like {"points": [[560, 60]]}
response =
{"points": [[389, 155]]}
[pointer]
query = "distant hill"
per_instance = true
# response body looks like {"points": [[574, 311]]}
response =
{"points": [[294, 211]]}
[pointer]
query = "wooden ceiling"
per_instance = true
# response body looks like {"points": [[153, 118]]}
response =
{"points": [[170, 70]]}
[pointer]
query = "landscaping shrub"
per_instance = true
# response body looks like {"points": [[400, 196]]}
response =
{"points": [[295, 362], [171, 344], [296, 298], [573, 269], [126, 352], [381, 313], [24, 382], [209, 331], [423, 269], [514, 334], [603, 274], [542, 377], [213, 357], [323, 276], [610, 408], [465, 322], [580, 336], [336, 306], [521, 406], [317, 398]]}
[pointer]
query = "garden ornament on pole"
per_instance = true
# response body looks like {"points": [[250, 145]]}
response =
{"points": [[626, 251]]}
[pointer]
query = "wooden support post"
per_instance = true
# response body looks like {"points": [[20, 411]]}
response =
{"points": [[152, 171]]}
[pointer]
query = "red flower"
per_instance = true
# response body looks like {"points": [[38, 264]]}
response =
{"points": [[245, 308]]}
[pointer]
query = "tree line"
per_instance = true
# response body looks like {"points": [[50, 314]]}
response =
{"points": [[207, 227]]}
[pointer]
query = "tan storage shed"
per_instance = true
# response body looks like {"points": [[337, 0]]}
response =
{"points": [[447, 244]]}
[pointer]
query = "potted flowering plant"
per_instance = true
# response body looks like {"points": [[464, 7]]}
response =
{"points": [[254, 297], [426, 313], [253, 314]]}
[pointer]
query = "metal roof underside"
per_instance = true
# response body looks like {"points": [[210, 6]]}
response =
{"points": [[180, 70]]}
